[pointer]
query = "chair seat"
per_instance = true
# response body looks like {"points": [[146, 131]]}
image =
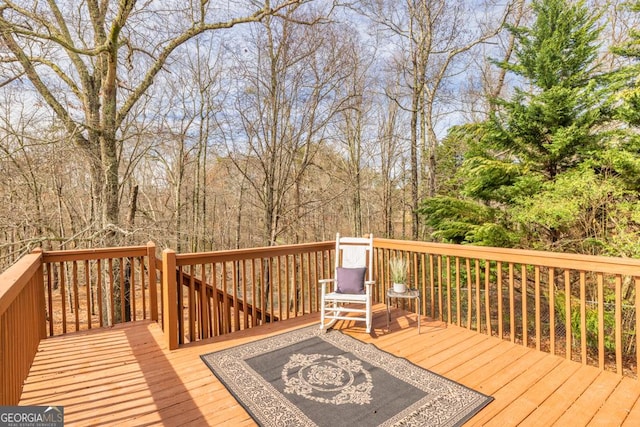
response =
{"points": [[337, 296]]}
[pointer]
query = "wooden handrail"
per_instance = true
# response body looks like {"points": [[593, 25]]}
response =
{"points": [[253, 253], [600, 264], [95, 254]]}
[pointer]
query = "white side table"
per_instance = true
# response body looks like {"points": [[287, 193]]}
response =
{"points": [[409, 294]]}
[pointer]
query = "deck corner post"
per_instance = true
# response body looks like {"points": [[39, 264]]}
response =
{"points": [[169, 299], [40, 300]]}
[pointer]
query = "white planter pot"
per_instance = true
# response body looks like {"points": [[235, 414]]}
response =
{"points": [[399, 287]]}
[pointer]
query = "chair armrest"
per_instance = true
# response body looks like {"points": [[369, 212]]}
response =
{"points": [[323, 284], [368, 284]]}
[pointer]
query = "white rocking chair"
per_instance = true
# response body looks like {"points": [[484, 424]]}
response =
{"points": [[352, 283]]}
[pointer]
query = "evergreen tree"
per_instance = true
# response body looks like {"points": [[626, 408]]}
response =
{"points": [[545, 129]]}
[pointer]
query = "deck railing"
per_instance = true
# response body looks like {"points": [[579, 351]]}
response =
{"points": [[253, 286], [582, 307], [22, 323], [90, 288]]}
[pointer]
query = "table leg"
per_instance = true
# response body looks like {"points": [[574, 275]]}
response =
{"points": [[388, 313], [418, 312]]}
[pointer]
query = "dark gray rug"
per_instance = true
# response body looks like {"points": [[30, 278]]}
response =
{"points": [[307, 378]]}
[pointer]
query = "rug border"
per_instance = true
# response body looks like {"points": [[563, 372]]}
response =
{"points": [[228, 387], [487, 399]]}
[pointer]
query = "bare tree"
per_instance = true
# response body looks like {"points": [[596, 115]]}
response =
{"points": [[289, 73], [391, 156], [431, 37], [353, 128], [91, 62]]}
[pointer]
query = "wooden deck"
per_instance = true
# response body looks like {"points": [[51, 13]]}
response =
{"points": [[125, 376]]}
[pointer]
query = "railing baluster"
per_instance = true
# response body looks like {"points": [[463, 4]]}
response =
{"points": [[448, 289], [567, 309], [75, 307], [618, 323], [217, 327], [205, 331], [63, 297], [469, 293], [191, 298], [637, 315], [439, 285], [537, 306], [314, 305], [500, 302], [110, 296], [180, 305], [132, 288], [525, 308], [512, 304], [478, 306], [236, 303], [152, 280], [432, 284], [227, 309], [50, 267], [144, 289], [487, 295], [552, 311], [268, 280], [600, 281], [423, 284], [123, 305], [583, 318], [458, 293], [99, 291], [87, 287]]}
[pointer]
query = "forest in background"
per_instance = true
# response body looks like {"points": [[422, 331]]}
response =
{"points": [[217, 125]]}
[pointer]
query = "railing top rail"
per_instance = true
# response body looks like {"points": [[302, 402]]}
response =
{"points": [[93, 254], [253, 253], [16, 277], [600, 264]]}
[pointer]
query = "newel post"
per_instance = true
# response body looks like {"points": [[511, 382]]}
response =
{"points": [[153, 285], [169, 298], [39, 295]]}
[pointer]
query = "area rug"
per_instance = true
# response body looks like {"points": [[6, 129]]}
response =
{"points": [[307, 377]]}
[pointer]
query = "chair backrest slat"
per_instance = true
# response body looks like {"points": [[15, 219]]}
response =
{"points": [[352, 252]]}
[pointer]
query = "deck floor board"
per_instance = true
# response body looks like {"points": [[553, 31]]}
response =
{"points": [[124, 375]]}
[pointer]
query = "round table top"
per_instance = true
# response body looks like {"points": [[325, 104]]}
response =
{"points": [[409, 293]]}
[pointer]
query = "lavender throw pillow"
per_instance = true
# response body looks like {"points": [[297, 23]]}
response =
{"points": [[350, 280]]}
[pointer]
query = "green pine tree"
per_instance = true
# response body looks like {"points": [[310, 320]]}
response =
{"points": [[547, 126], [545, 129]]}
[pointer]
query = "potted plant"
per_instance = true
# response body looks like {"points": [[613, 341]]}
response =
{"points": [[398, 271]]}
